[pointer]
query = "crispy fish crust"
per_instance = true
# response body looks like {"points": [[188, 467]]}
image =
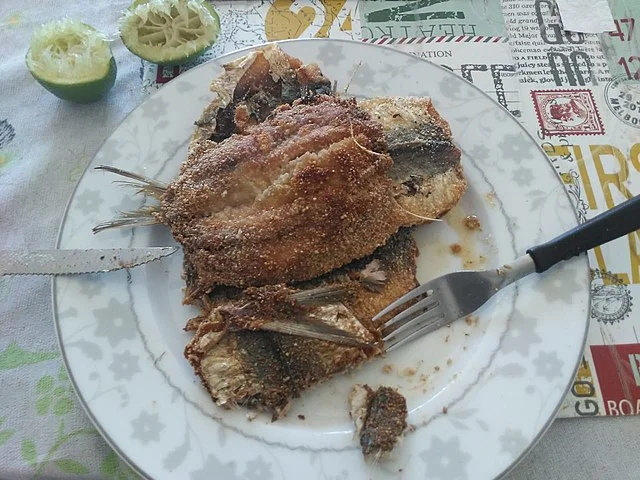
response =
{"points": [[306, 191], [265, 370], [380, 417], [302, 193]]}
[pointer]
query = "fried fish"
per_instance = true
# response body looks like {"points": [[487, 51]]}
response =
{"points": [[242, 364], [293, 208], [251, 87], [380, 417], [290, 183], [311, 188], [426, 161]]}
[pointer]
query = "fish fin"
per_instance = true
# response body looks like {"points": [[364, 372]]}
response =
{"points": [[153, 191], [317, 330], [320, 295], [142, 217], [146, 182]]}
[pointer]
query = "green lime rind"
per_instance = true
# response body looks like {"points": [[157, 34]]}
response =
{"points": [[166, 61], [72, 60], [85, 92], [182, 60], [141, 30]]}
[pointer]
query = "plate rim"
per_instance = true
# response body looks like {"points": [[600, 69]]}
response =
{"points": [[56, 320]]}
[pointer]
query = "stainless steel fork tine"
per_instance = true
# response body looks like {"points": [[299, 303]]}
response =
{"points": [[422, 326], [409, 314], [414, 321], [404, 299]]}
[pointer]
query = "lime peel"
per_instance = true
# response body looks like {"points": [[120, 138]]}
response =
{"points": [[169, 32], [68, 52]]}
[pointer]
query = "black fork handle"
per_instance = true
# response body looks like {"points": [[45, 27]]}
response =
{"points": [[620, 220]]}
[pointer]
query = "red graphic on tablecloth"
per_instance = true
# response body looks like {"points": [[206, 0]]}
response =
{"points": [[618, 371], [567, 112], [164, 74]]}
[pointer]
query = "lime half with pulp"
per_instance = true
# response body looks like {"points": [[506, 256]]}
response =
{"points": [[72, 60], [169, 32]]}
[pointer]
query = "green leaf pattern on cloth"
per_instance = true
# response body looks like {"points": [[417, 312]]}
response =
{"points": [[113, 468], [28, 451], [14, 356], [71, 466], [5, 435], [53, 396]]}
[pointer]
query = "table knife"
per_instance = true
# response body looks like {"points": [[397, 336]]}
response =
{"points": [[70, 262]]}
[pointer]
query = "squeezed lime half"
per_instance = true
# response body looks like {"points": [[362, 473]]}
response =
{"points": [[72, 60], [169, 32]]}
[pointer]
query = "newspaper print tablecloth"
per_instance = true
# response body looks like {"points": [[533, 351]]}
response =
{"points": [[577, 93]]}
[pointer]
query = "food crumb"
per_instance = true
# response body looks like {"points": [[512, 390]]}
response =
{"points": [[491, 198], [446, 340], [445, 409], [472, 222], [471, 320], [251, 416], [449, 362], [408, 372], [301, 417], [388, 368], [436, 368], [455, 248]]}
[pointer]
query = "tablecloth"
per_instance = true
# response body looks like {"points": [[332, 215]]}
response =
{"points": [[45, 144]]}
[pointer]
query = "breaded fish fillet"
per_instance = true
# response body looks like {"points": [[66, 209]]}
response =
{"points": [[306, 191], [283, 183], [241, 364]]}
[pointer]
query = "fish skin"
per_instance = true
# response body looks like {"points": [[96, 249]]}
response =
{"points": [[426, 161], [251, 87]]}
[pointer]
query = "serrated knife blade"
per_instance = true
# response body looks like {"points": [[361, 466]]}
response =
{"points": [[71, 262]]}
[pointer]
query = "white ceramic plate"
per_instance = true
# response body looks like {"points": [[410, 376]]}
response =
{"points": [[500, 379]]}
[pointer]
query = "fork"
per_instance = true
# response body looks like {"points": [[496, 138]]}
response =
{"points": [[453, 296]]}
